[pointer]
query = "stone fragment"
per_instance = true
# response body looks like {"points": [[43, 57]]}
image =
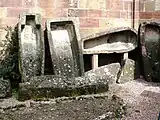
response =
{"points": [[108, 72], [64, 46], [31, 52], [127, 71]]}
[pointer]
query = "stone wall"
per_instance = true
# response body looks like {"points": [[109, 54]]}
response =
{"points": [[94, 15], [149, 10]]}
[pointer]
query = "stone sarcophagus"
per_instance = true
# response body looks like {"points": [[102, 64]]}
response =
{"points": [[31, 46], [149, 34], [64, 46], [111, 46]]}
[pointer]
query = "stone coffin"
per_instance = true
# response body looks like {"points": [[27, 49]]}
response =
{"points": [[31, 46], [149, 34], [118, 42], [65, 47]]}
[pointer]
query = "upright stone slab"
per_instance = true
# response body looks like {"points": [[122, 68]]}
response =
{"points": [[149, 34], [64, 45], [31, 46]]}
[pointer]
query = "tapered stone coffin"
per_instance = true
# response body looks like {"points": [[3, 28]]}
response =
{"points": [[118, 40], [149, 34], [64, 45], [31, 46]]}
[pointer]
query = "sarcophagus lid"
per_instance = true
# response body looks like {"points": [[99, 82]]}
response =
{"points": [[31, 46]]}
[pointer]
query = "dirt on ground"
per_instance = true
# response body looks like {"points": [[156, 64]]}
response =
{"points": [[134, 100], [83, 108]]}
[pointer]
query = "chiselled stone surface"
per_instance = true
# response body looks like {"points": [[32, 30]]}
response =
{"points": [[31, 46], [5, 88], [150, 50], [127, 71], [55, 86], [108, 72], [64, 46], [117, 40]]}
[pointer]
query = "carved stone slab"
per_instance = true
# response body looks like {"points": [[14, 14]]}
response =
{"points": [[64, 45], [31, 52]]}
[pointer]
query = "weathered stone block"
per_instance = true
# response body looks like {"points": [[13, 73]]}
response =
{"points": [[54, 86], [31, 52], [108, 72], [65, 47]]}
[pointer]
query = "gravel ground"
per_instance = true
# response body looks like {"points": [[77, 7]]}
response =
{"points": [[142, 100], [84, 108], [142, 97]]}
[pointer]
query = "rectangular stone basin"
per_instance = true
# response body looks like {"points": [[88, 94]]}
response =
{"points": [[64, 46]]}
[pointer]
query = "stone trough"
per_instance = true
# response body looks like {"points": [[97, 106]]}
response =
{"points": [[149, 34], [64, 45], [114, 41]]}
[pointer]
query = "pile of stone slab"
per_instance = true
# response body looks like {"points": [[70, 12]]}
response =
{"points": [[66, 60], [62, 51]]}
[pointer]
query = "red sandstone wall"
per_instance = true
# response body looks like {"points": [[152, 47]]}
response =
{"points": [[94, 15], [149, 10]]}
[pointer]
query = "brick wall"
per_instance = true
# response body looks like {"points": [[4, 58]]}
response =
{"points": [[94, 15], [149, 10]]}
